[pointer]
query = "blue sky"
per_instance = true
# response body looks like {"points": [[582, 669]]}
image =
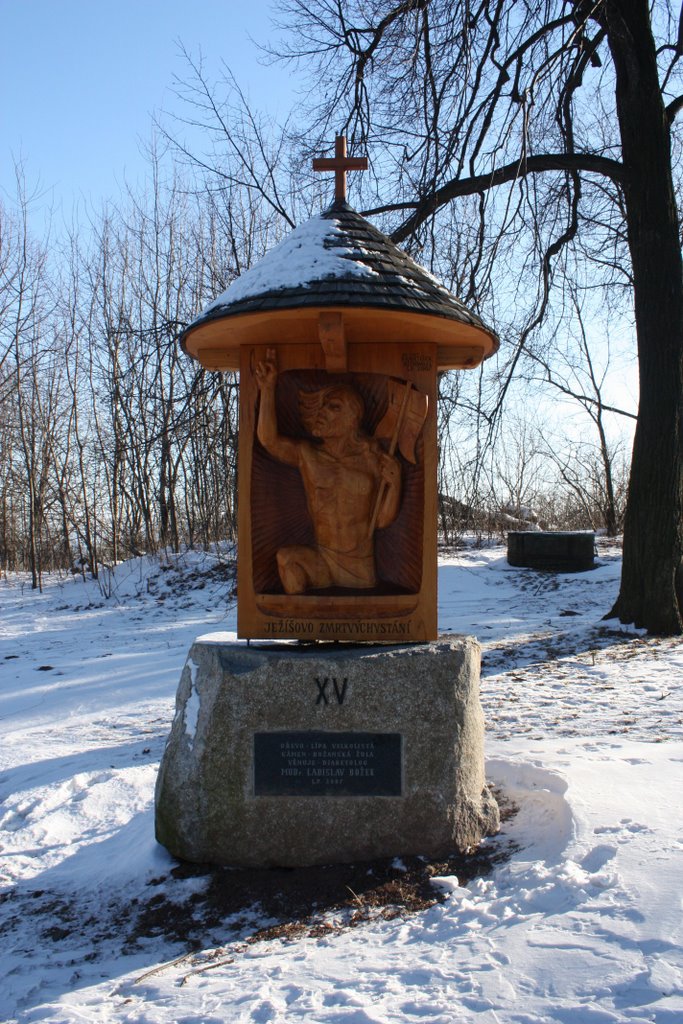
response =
{"points": [[80, 80]]}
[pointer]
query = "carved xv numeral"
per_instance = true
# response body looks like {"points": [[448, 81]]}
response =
{"points": [[339, 691]]}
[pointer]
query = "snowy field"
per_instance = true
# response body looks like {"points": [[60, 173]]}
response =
{"points": [[582, 925]]}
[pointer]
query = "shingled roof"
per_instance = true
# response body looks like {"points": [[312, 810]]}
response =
{"points": [[342, 261]]}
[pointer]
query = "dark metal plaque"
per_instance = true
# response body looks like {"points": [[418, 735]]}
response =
{"points": [[327, 764]]}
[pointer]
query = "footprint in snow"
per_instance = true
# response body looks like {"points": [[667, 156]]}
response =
{"points": [[596, 858], [623, 830]]}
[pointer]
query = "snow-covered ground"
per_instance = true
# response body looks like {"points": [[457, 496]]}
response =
{"points": [[582, 925]]}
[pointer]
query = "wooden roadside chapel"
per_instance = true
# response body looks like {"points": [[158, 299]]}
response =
{"points": [[338, 337], [284, 753]]}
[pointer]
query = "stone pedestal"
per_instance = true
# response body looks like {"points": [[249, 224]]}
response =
{"points": [[283, 755]]}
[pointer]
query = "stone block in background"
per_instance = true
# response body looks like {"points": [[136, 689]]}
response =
{"points": [[558, 551]]}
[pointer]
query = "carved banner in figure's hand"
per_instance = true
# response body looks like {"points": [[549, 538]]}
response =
{"points": [[404, 419], [402, 423]]}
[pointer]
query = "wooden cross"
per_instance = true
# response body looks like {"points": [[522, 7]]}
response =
{"points": [[340, 164]]}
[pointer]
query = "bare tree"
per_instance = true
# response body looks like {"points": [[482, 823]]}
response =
{"points": [[575, 373], [557, 117], [26, 301], [587, 498]]}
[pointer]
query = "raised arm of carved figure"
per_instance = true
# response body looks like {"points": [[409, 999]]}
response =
{"points": [[285, 449]]}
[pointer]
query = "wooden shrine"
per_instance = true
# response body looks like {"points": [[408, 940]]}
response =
{"points": [[338, 337]]}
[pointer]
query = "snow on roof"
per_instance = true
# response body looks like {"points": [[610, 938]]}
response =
{"points": [[337, 259], [313, 251]]}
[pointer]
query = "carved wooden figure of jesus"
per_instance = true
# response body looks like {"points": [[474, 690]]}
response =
{"points": [[352, 485]]}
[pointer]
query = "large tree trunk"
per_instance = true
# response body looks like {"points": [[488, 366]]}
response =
{"points": [[651, 592]]}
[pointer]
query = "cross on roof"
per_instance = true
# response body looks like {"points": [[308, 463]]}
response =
{"points": [[340, 164]]}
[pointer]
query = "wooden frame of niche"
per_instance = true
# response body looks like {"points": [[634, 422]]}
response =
{"points": [[367, 348]]}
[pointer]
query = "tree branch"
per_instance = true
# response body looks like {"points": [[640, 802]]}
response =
{"points": [[458, 187], [673, 109]]}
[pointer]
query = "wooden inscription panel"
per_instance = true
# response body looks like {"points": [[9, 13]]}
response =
{"points": [[337, 490]]}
